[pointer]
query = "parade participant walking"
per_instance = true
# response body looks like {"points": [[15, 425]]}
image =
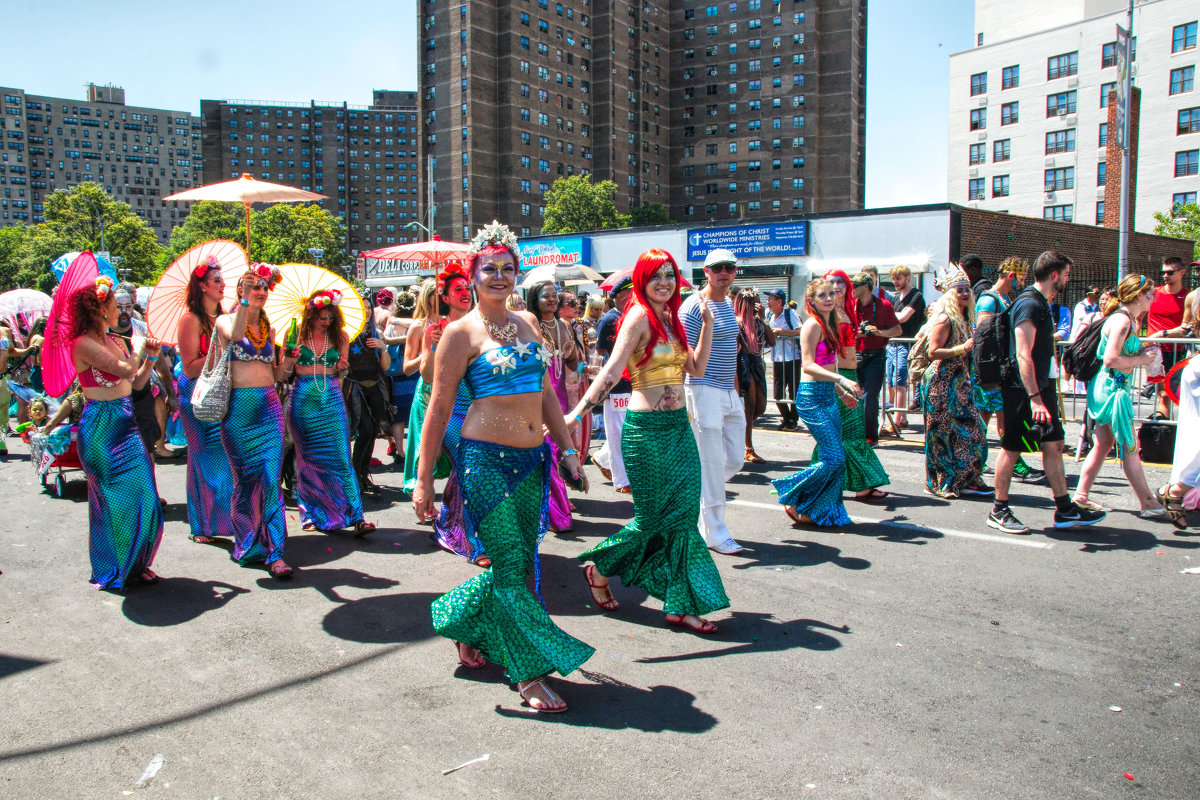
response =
{"points": [[1166, 318], [128, 326], [753, 336], [403, 387], [541, 299], [1180, 494], [326, 487], [785, 357], [716, 411], [124, 516], [576, 381], [1109, 403], [366, 403], [209, 478], [661, 551], [955, 436], [505, 467], [252, 430], [864, 472], [909, 305], [610, 459], [1030, 395], [876, 324], [813, 495], [423, 336]]}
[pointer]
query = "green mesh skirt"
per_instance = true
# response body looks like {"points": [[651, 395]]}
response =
{"points": [[661, 550], [863, 470], [505, 503], [416, 420]]}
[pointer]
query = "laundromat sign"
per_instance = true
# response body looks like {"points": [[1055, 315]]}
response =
{"points": [[750, 241], [564, 250]]}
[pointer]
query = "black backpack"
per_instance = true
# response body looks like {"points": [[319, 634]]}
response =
{"points": [[991, 349], [1080, 358]]}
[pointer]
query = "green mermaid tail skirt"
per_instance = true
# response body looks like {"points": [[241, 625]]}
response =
{"points": [[661, 550], [505, 504], [416, 419], [863, 470]]}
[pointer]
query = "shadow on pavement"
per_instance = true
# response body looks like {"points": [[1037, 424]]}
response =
{"points": [[11, 665], [896, 529], [327, 581], [611, 704], [753, 632], [565, 593], [175, 601], [794, 553], [383, 619], [1105, 538]]}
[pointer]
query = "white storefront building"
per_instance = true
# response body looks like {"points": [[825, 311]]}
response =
{"points": [[1027, 121]]}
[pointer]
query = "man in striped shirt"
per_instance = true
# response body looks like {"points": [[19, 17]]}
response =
{"points": [[714, 406]]}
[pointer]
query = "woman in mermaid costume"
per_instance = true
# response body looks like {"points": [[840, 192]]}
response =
{"points": [[661, 551], [327, 493], [813, 495], [252, 430], [124, 516], [541, 300], [209, 477], [504, 467], [423, 334]]}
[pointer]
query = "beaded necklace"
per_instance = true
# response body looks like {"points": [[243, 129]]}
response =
{"points": [[258, 338], [323, 384], [550, 335]]}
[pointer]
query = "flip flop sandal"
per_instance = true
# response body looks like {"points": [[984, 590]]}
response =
{"points": [[704, 628], [873, 494], [550, 695], [362, 528], [611, 604], [1173, 506], [480, 664]]}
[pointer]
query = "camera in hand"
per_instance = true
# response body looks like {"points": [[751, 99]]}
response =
{"points": [[1037, 430], [862, 328]]}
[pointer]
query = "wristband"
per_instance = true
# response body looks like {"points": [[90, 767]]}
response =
{"points": [[244, 302], [579, 418], [152, 358], [571, 452], [1035, 394]]}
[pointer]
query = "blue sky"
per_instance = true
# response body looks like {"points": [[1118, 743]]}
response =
{"points": [[172, 55]]}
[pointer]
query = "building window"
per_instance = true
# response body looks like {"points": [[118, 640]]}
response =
{"points": [[1100, 212], [1000, 186], [1062, 66], [1010, 77], [1103, 135], [1009, 113], [1187, 162], [1101, 173], [1188, 121], [1108, 55], [978, 119], [1002, 150], [979, 83], [1182, 80], [1182, 199], [975, 189], [1060, 104], [1059, 213], [1060, 179], [978, 154], [1183, 37], [1060, 141], [1105, 88]]}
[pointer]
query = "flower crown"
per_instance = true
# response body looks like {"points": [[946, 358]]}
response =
{"points": [[952, 275], [204, 266], [104, 285], [497, 234], [452, 270], [268, 273], [324, 299]]}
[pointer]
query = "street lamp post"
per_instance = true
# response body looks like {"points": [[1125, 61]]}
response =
{"points": [[416, 224], [316, 252]]}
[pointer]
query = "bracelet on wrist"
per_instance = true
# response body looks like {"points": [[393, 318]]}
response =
{"points": [[152, 358], [570, 452], [579, 418], [244, 302]]}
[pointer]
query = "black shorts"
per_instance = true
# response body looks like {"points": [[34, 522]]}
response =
{"points": [[1172, 354], [1018, 420]]}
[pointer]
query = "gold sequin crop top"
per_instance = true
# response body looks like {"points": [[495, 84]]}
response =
{"points": [[664, 367]]}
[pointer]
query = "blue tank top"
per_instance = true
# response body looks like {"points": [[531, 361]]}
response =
{"points": [[511, 369]]}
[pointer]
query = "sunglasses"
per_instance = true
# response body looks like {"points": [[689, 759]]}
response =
{"points": [[259, 284], [571, 303], [1169, 272], [724, 268]]}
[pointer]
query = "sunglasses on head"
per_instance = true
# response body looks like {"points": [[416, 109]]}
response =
{"points": [[724, 268]]}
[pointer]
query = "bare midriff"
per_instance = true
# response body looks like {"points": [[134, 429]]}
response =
{"points": [[505, 419]]}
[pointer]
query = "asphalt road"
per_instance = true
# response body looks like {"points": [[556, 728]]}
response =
{"points": [[916, 654]]}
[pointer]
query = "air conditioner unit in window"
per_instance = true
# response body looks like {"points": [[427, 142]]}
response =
{"points": [[972, 173], [1050, 195], [979, 196], [1070, 120], [1062, 112], [1049, 161], [981, 101], [1072, 83], [981, 136]]}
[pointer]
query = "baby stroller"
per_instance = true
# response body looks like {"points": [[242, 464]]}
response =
{"points": [[55, 453]]}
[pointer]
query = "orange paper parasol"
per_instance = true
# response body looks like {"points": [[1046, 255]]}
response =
{"points": [[246, 190], [286, 301], [168, 301]]}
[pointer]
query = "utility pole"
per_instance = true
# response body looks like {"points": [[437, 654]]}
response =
{"points": [[429, 196], [1124, 56]]}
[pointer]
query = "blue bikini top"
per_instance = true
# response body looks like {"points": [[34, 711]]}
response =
{"points": [[245, 351], [511, 369]]}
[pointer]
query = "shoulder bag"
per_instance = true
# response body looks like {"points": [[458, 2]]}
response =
{"points": [[210, 398]]}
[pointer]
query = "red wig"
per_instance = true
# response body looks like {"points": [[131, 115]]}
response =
{"points": [[648, 264], [828, 325], [850, 302]]}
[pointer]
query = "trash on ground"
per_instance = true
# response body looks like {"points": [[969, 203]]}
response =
{"points": [[483, 757], [1114, 708], [151, 769], [1128, 775], [1190, 571]]}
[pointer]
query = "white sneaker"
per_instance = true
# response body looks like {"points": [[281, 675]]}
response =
{"points": [[727, 548]]}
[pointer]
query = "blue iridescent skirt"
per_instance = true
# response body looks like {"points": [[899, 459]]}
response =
{"points": [[209, 479], [816, 490], [252, 433], [326, 485]]}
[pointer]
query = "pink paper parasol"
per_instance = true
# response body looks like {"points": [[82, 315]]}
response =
{"points": [[58, 370], [168, 301]]}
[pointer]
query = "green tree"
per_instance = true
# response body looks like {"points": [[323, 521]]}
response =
{"points": [[576, 204], [207, 220], [282, 234], [42, 246], [653, 214], [1183, 222], [12, 238]]}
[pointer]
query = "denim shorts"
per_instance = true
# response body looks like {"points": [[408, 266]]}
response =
{"points": [[896, 367]]}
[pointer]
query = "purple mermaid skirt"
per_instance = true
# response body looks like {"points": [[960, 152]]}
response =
{"points": [[252, 433], [209, 479], [326, 486]]}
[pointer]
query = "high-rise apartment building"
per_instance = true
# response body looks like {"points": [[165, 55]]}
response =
{"points": [[364, 158], [139, 155], [720, 111], [1029, 123]]}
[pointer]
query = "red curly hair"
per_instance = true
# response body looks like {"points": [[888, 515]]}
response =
{"points": [[88, 312], [647, 264]]}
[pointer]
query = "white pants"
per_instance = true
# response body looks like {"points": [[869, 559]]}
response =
{"points": [[609, 455], [718, 419]]}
